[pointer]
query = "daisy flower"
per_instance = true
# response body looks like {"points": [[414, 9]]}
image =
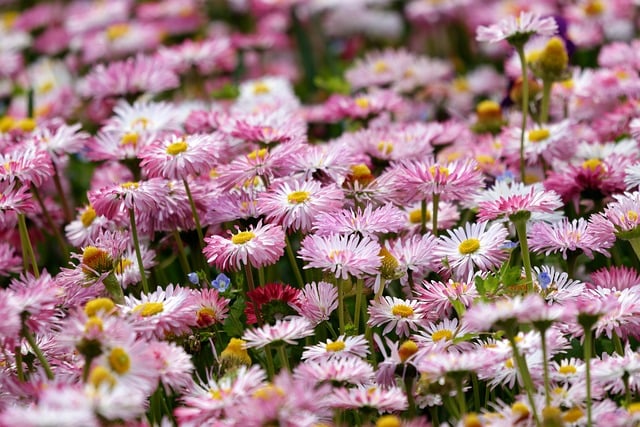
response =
{"points": [[505, 201], [555, 286], [415, 256], [439, 295], [341, 255], [369, 221], [624, 214], [391, 399], [294, 204], [483, 316], [180, 156], [547, 143], [472, 247], [517, 29], [341, 347], [116, 200], [258, 246], [26, 163], [448, 216], [397, 314], [166, 311], [616, 277], [126, 268], [344, 371], [211, 307], [564, 236], [10, 262], [440, 336], [270, 302], [173, 364], [287, 331], [83, 230], [317, 301]]}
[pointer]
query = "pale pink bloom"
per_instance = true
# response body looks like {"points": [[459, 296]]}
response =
{"points": [[349, 370], [340, 348], [438, 296], [327, 163], [268, 126], [615, 277], [284, 331], [391, 399], [441, 336], [395, 314], [556, 286], [542, 143], [211, 307], [10, 262], [163, 312], [173, 364], [482, 316], [259, 246], [11, 324], [294, 204], [27, 163], [370, 221], [117, 200], [437, 364], [624, 213], [415, 255], [126, 268], [38, 300], [177, 157], [362, 106], [564, 236], [517, 29], [516, 199], [317, 301], [341, 255], [448, 216], [206, 55], [59, 138], [472, 248]]}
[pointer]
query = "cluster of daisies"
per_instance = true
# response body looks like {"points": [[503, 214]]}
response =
{"points": [[242, 213]]}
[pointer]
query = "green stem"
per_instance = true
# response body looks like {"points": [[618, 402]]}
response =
{"points": [[19, 370], [546, 100], [196, 217], [434, 214], [545, 367], [525, 106], [26, 244], [588, 337], [52, 225], [26, 333], [635, 244], [521, 362], [341, 305], [462, 403], [86, 369], [521, 230], [435, 420], [68, 215], [356, 312], [293, 262], [269, 358], [282, 353], [627, 389], [331, 330], [249, 273], [408, 387], [182, 257], [261, 281], [423, 216], [618, 344], [136, 243]]}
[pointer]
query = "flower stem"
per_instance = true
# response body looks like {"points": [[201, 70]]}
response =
{"points": [[29, 255], [269, 358], [196, 217], [26, 333], [19, 371], [521, 230], [356, 311], [525, 105], [423, 216], [249, 273], [462, 404], [293, 262], [411, 401], [618, 344], [521, 362], [341, 305], [282, 353], [545, 367], [546, 100], [182, 257], [68, 215], [635, 244], [588, 337], [52, 225], [136, 244], [434, 214]]}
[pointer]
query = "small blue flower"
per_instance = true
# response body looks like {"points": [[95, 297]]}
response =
{"points": [[221, 283], [506, 176], [509, 245], [544, 279], [193, 278]]}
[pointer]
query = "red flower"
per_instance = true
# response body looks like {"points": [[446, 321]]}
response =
{"points": [[272, 302]]}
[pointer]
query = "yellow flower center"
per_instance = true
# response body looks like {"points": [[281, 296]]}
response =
{"points": [[461, 84], [215, 394], [360, 171], [388, 421], [520, 409], [388, 265], [567, 369], [538, 135], [96, 259], [101, 375], [242, 237], [407, 349], [469, 246], [206, 316], [335, 346], [484, 159], [119, 360], [594, 8], [177, 147], [380, 67], [130, 138], [442, 334], [573, 415], [260, 88], [235, 351], [88, 216], [130, 185], [269, 392], [592, 164], [143, 122], [94, 306], [415, 216], [634, 408], [632, 216], [122, 265], [298, 197], [117, 31], [385, 147], [402, 310], [93, 323], [471, 420], [362, 102], [46, 87], [488, 110], [258, 154], [439, 170], [147, 309], [509, 363], [6, 123], [26, 125]]}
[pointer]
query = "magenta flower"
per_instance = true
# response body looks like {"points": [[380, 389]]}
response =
{"points": [[515, 199]]}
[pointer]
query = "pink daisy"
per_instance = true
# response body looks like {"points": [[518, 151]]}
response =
{"points": [[473, 247], [173, 365], [346, 371], [317, 301], [287, 331], [294, 204], [402, 316], [517, 30], [615, 277], [341, 255], [86, 227], [517, 198], [116, 200], [212, 308], [624, 214], [180, 156], [415, 255], [380, 399], [369, 221], [269, 126], [562, 237], [341, 347], [258, 246], [10, 262], [27, 163], [163, 312], [439, 295]]}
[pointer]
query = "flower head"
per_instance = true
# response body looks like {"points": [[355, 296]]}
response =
{"points": [[517, 30]]}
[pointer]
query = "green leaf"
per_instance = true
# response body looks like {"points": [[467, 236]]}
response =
{"points": [[234, 325]]}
